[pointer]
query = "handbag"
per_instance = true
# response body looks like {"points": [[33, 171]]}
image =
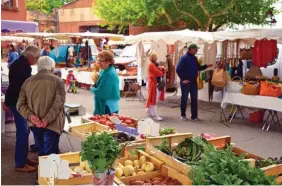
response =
{"points": [[219, 78], [246, 54], [234, 86], [253, 73], [161, 84], [250, 88], [269, 89]]}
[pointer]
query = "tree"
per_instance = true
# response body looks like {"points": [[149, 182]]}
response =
{"points": [[45, 6], [204, 15]]}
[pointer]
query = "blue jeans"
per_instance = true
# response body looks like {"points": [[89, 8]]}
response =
{"points": [[22, 133], [47, 140], [191, 88]]}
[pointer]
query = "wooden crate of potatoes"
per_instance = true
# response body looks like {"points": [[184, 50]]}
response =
{"points": [[165, 176]]}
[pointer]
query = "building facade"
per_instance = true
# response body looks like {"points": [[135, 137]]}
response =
{"points": [[13, 10], [46, 23]]}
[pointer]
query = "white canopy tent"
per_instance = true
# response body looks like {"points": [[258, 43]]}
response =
{"points": [[188, 36], [115, 37], [16, 39]]}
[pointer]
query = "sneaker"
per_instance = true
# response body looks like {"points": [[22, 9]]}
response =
{"points": [[158, 118], [149, 113], [26, 168], [183, 118], [197, 120]]}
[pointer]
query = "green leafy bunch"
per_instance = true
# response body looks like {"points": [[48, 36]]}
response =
{"points": [[100, 151], [223, 167]]}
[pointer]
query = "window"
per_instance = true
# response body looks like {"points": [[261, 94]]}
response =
{"points": [[9, 4]]}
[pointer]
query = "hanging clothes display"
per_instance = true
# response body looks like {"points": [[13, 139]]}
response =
{"points": [[170, 75], [200, 82], [210, 51], [265, 51], [160, 48]]}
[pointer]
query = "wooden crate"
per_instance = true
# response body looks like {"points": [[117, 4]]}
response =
{"points": [[178, 165], [274, 170], [73, 158], [165, 172], [80, 131], [238, 151], [171, 139], [157, 163]]}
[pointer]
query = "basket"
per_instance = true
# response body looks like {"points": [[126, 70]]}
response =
{"points": [[234, 86], [250, 88]]}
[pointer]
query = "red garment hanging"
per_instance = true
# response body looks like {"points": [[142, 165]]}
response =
{"points": [[265, 51]]}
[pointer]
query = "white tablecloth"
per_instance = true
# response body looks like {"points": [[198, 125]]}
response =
{"points": [[122, 80], [85, 77], [261, 102]]}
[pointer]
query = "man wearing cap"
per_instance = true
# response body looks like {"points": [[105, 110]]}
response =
{"points": [[46, 49], [187, 70]]}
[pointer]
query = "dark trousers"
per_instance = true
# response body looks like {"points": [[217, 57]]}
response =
{"points": [[22, 133], [191, 88], [47, 140]]}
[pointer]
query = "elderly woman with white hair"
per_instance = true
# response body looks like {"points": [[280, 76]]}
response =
{"points": [[41, 102], [155, 86], [19, 71]]}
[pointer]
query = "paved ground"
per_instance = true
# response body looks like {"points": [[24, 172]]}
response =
{"points": [[245, 135]]}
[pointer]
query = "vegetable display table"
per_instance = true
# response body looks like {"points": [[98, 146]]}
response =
{"points": [[271, 104]]}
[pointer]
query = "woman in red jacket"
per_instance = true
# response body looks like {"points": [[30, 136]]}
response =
{"points": [[155, 92]]}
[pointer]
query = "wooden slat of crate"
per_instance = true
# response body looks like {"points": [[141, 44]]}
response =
{"points": [[274, 170], [238, 151], [73, 157], [279, 180], [165, 171], [168, 160], [220, 142], [79, 131]]}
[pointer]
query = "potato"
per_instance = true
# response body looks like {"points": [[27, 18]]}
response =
{"points": [[136, 163], [128, 162], [128, 170], [77, 169], [142, 160], [118, 172]]}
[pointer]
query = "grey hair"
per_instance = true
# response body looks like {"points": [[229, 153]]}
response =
{"points": [[45, 63], [32, 50]]}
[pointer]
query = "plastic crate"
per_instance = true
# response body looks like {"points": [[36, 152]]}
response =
{"points": [[129, 130]]}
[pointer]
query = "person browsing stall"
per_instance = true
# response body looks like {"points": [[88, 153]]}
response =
{"points": [[106, 90], [187, 70], [19, 71], [12, 55], [41, 102]]}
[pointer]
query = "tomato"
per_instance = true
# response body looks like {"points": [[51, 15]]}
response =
{"points": [[103, 121], [128, 121]]}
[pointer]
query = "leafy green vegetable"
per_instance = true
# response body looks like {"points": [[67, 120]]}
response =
{"points": [[223, 167], [100, 151], [167, 131]]}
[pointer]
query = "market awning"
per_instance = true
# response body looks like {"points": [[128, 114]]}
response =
{"points": [[16, 39], [18, 26]]}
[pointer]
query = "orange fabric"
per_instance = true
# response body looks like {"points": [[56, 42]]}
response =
{"points": [[68, 79], [269, 89], [153, 73]]}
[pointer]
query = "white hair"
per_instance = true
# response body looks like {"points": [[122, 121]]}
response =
{"points": [[32, 50], [45, 63]]}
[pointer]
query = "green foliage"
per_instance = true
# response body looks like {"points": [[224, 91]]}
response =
{"points": [[100, 151], [45, 6], [205, 15], [222, 167]]}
